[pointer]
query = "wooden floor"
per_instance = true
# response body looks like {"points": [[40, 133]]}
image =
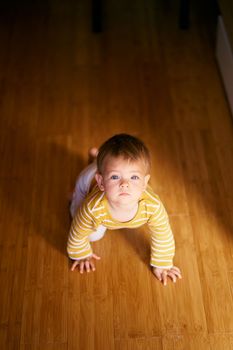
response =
{"points": [[64, 89]]}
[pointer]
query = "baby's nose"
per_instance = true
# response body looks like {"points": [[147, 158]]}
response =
{"points": [[124, 183]]}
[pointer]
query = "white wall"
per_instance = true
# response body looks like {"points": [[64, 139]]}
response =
{"points": [[225, 60]]}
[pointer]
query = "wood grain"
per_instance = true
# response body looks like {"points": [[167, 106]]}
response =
{"points": [[64, 89]]}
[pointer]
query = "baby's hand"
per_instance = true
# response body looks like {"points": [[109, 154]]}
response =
{"points": [[162, 274], [87, 263]]}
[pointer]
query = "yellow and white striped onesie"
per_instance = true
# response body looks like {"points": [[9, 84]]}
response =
{"points": [[93, 212]]}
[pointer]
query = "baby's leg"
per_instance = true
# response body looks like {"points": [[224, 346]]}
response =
{"points": [[98, 234], [82, 187]]}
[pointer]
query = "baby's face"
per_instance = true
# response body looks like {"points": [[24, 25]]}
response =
{"points": [[123, 181]]}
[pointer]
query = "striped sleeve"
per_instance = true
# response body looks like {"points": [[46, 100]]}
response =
{"points": [[162, 240], [78, 246]]}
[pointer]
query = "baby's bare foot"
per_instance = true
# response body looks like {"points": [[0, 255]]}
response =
{"points": [[92, 154]]}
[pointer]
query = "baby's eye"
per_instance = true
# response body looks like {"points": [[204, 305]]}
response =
{"points": [[114, 177], [135, 177]]}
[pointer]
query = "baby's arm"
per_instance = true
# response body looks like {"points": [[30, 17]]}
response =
{"points": [[162, 246], [78, 246]]}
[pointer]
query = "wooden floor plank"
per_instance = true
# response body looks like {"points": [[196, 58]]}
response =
{"points": [[63, 90], [182, 342], [138, 344], [221, 341]]}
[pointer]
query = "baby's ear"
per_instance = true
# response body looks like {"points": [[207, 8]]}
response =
{"points": [[99, 180], [146, 180]]}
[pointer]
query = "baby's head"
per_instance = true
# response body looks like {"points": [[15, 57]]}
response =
{"points": [[127, 147], [123, 168]]}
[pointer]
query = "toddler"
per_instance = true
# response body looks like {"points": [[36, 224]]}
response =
{"points": [[120, 197]]}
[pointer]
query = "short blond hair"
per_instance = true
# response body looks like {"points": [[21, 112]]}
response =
{"points": [[126, 146]]}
